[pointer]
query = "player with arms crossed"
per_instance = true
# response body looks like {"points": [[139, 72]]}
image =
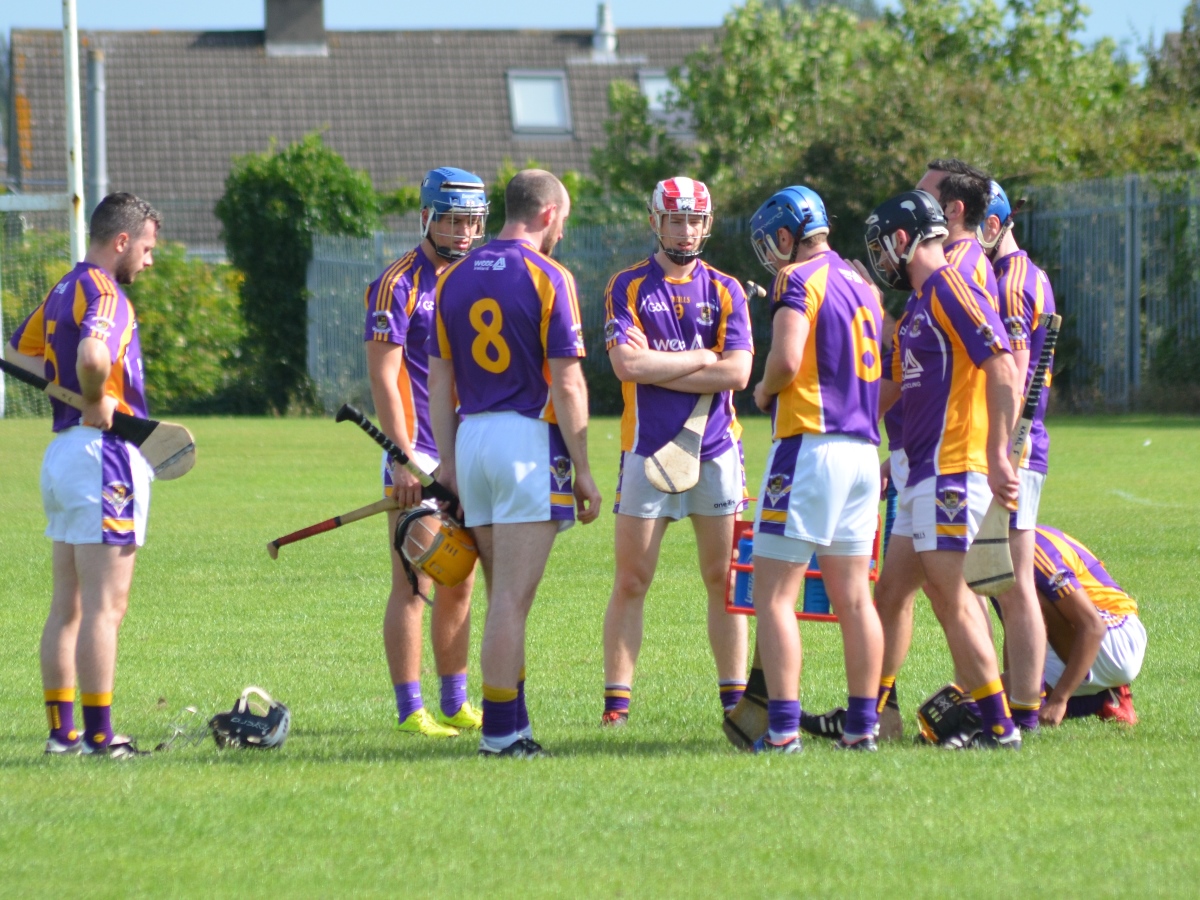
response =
{"points": [[508, 345], [960, 388], [1025, 295], [399, 322], [678, 334], [1096, 640], [95, 486], [820, 490]]}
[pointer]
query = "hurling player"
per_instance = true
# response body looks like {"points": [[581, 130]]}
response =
{"points": [[676, 328], [1025, 295], [95, 486], [1097, 642], [820, 491], [506, 357], [398, 323], [960, 388]]}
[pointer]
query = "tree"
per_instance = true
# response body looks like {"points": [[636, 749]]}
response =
{"points": [[273, 204], [638, 152]]}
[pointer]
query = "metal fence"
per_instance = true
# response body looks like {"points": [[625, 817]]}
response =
{"points": [[1122, 255]]}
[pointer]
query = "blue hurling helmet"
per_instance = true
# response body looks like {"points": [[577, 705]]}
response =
{"points": [[798, 209], [999, 207], [455, 191]]}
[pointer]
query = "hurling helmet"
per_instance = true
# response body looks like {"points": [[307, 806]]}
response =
{"points": [[681, 195], [432, 542], [798, 209], [456, 191], [917, 214], [260, 723], [999, 207]]}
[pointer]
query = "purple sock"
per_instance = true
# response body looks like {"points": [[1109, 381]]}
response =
{"points": [[783, 717], [1082, 707], [731, 693], [408, 698], [61, 715], [1026, 719], [97, 725], [522, 709], [499, 718], [993, 712], [861, 716], [973, 706], [454, 693], [616, 698]]}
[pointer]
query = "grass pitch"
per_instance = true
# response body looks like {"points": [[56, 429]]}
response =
{"points": [[662, 807]]}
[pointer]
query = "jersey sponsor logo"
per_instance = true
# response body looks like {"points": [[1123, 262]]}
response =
{"points": [[912, 366], [655, 306], [427, 305], [725, 504], [950, 501], [381, 323], [562, 472], [490, 265], [672, 344], [118, 496], [851, 275], [61, 288]]}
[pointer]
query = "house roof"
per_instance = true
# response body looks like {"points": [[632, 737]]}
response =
{"points": [[181, 104]]}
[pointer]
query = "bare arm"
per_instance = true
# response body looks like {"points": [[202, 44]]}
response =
{"points": [[1088, 631], [443, 417], [645, 366], [31, 364], [730, 372], [789, 332], [384, 360], [568, 390], [1021, 361], [1003, 398], [889, 395], [93, 363]]}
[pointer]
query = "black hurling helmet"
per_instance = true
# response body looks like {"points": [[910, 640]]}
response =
{"points": [[920, 216], [263, 722]]}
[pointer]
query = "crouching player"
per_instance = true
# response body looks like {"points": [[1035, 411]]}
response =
{"points": [[1097, 642], [677, 330], [820, 490]]}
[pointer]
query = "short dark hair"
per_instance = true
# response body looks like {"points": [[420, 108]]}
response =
{"points": [[529, 192], [966, 183], [121, 213]]}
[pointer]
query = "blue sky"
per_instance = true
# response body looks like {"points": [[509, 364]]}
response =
{"points": [[1130, 21]]}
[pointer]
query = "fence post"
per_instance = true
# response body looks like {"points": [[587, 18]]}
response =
{"points": [[1133, 285]]}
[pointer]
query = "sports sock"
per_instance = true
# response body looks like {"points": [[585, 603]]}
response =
{"points": [[731, 693], [993, 709], [616, 698], [1082, 707], [861, 717], [973, 706], [887, 693], [454, 693], [523, 727], [499, 717], [783, 717], [1025, 714], [60, 713], [97, 719], [408, 698]]}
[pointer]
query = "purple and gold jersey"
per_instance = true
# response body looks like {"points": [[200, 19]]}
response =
{"points": [[966, 255], [85, 303], [502, 312], [893, 419], [1062, 565], [400, 311], [1025, 295], [836, 390], [706, 310], [950, 332]]}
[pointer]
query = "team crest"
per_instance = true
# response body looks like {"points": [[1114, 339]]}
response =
{"points": [[704, 313], [610, 329], [562, 472], [118, 496], [950, 502], [1016, 328], [776, 489], [913, 328], [988, 334], [381, 322], [1058, 580]]}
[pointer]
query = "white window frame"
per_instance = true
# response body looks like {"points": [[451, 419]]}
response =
{"points": [[516, 75], [678, 122]]}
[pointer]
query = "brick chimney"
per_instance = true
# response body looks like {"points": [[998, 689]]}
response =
{"points": [[296, 28]]}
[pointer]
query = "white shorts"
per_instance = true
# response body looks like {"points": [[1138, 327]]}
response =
{"points": [[95, 489], [720, 491], [513, 469], [943, 512], [820, 492], [425, 463], [899, 469], [1118, 661], [1028, 500]]}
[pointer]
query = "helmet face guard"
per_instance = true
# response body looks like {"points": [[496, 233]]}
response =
{"points": [[999, 207], [263, 723], [919, 216], [450, 221], [798, 209], [681, 197]]}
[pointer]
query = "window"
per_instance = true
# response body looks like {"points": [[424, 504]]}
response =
{"points": [[659, 93], [538, 102]]}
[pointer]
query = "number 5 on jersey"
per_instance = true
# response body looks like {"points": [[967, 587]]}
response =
{"points": [[489, 349]]}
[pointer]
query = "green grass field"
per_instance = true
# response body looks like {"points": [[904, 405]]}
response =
{"points": [[663, 807]]}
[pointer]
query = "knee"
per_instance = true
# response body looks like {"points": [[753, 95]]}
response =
{"points": [[630, 586]]}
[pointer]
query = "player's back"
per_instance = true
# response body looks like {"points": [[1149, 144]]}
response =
{"points": [[1061, 562], [836, 390], [503, 311]]}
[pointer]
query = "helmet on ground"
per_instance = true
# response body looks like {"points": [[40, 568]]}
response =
{"points": [[685, 196], [919, 216], [999, 207], [260, 723], [432, 542], [456, 192], [798, 209]]}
